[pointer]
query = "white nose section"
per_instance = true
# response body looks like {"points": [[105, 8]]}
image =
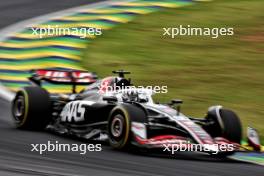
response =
{"points": [[253, 138]]}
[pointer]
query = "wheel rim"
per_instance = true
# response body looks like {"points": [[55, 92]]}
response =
{"points": [[116, 126], [19, 108]]}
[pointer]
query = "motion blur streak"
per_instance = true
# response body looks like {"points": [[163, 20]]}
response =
{"points": [[16, 158], [24, 51]]}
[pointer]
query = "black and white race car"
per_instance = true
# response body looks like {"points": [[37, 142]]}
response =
{"points": [[124, 117]]}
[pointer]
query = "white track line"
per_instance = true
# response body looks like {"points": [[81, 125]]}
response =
{"points": [[6, 94]]}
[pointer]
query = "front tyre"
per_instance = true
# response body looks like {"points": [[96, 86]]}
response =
{"points": [[119, 128], [225, 123], [31, 108]]}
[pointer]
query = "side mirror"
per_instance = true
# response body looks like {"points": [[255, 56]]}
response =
{"points": [[110, 98], [176, 101]]}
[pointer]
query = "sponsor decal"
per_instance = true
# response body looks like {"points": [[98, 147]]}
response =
{"points": [[74, 111]]}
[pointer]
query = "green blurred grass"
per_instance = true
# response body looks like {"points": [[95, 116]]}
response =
{"points": [[202, 71]]}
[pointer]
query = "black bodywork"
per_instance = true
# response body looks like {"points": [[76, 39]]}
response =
{"points": [[95, 114]]}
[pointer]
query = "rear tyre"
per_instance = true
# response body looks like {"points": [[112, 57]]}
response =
{"points": [[31, 108]]}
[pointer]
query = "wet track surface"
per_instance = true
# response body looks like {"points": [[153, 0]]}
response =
{"points": [[16, 157]]}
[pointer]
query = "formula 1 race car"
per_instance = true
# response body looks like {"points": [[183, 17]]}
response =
{"points": [[112, 109]]}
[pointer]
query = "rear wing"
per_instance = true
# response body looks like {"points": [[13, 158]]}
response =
{"points": [[66, 77]]}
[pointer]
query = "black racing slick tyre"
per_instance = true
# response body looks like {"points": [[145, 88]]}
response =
{"points": [[31, 108], [228, 126], [232, 126], [119, 125]]}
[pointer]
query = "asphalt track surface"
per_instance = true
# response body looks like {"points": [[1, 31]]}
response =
{"points": [[16, 157], [13, 11]]}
